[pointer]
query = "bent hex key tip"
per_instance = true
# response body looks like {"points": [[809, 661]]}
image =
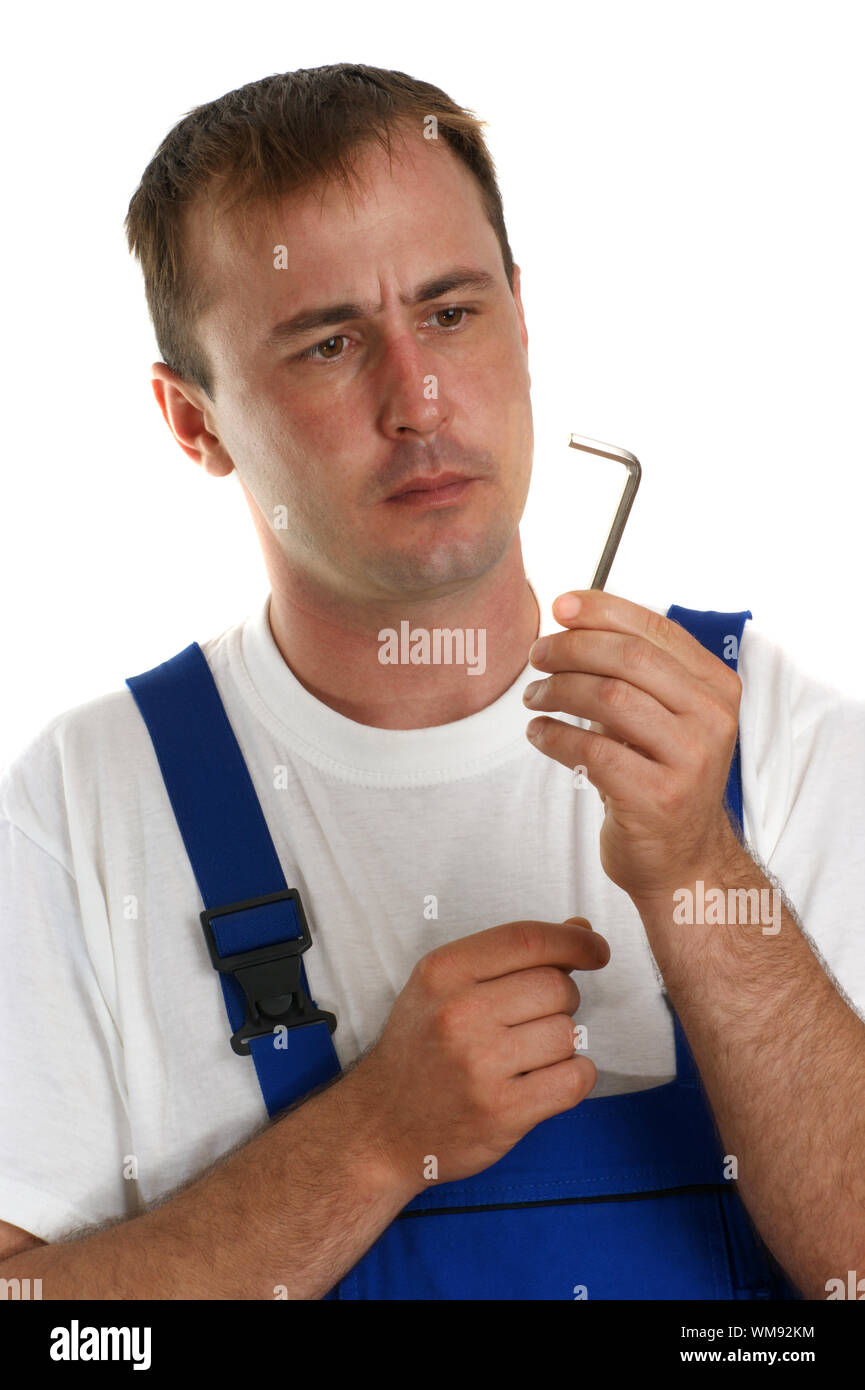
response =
{"points": [[632, 463]]}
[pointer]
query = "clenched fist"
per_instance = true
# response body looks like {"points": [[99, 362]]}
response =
{"points": [[479, 1047]]}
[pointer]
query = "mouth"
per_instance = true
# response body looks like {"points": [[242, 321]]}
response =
{"points": [[428, 492]]}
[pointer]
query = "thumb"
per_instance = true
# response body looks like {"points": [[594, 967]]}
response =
{"points": [[579, 921]]}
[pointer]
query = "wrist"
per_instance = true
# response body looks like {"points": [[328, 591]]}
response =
{"points": [[721, 863], [710, 921], [375, 1136]]}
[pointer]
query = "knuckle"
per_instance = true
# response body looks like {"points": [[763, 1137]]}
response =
{"points": [[596, 745], [568, 1086], [734, 680], [603, 752], [567, 991], [721, 716], [581, 1083], [659, 628], [731, 720], [613, 693], [559, 992], [451, 1019], [431, 970], [539, 985], [528, 939], [669, 797], [565, 1033], [636, 653]]}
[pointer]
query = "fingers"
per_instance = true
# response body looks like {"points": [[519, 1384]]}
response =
{"points": [[609, 612], [613, 659], [541, 1043], [550, 1090], [612, 766], [512, 946], [625, 711], [529, 994]]}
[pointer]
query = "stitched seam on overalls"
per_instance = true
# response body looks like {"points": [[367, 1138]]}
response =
{"points": [[725, 1283], [639, 1195], [624, 1176]]}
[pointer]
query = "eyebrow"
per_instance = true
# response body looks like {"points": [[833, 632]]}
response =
{"points": [[330, 315]]}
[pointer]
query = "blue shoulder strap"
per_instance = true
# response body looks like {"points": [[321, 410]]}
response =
{"points": [[254, 924], [721, 634]]}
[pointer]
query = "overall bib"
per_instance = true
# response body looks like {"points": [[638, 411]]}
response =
{"points": [[622, 1197]]}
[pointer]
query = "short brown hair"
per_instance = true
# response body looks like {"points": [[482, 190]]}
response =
{"points": [[261, 142]]}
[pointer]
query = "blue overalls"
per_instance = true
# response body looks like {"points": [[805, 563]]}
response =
{"points": [[622, 1197]]}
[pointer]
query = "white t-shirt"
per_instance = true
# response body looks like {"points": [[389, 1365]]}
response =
{"points": [[118, 1082]]}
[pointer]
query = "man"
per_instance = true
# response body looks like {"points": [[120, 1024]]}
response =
{"points": [[343, 346]]}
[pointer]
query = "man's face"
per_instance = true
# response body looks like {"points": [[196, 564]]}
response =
{"points": [[324, 427]]}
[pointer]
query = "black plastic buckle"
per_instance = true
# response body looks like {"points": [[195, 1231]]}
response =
{"points": [[268, 975]]}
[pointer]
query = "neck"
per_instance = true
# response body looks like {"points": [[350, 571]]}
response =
{"points": [[485, 632]]}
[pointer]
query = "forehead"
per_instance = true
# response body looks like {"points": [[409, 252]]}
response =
{"points": [[421, 207]]}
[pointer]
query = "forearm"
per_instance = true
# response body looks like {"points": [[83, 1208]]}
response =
{"points": [[295, 1208], [782, 1058]]}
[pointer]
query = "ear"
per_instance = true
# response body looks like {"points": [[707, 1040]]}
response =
{"points": [[186, 410]]}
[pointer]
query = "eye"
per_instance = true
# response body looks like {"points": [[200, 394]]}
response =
{"points": [[311, 352], [451, 309]]}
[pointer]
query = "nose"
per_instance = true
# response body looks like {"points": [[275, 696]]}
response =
{"points": [[409, 388]]}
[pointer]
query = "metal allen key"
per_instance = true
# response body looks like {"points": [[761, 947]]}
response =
{"points": [[629, 492]]}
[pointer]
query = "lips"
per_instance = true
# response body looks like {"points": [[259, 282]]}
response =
{"points": [[430, 484]]}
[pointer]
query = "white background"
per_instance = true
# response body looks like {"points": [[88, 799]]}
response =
{"points": [[683, 190]]}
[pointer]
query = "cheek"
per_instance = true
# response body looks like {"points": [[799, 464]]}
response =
{"points": [[320, 421], [307, 457], [500, 396], [501, 375], [270, 431]]}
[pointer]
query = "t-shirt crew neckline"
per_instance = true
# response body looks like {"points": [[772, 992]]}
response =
{"points": [[333, 742]]}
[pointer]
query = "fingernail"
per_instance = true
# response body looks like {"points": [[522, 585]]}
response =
{"points": [[539, 650], [568, 606], [532, 692]]}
